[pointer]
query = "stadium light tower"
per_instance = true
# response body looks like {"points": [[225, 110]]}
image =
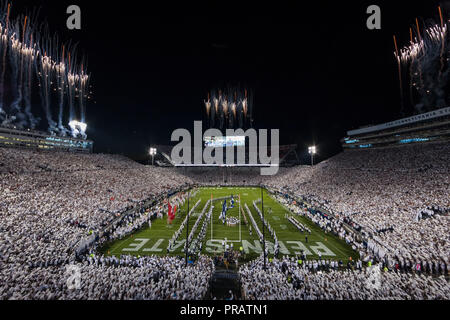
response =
{"points": [[152, 152], [312, 152]]}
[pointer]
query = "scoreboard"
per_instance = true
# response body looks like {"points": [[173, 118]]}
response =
{"points": [[221, 141]]}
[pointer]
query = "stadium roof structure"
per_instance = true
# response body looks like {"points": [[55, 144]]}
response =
{"points": [[13, 137], [426, 127], [436, 114]]}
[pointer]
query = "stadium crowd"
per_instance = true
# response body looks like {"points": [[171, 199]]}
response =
{"points": [[397, 203], [51, 201], [287, 279], [126, 277], [380, 192]]}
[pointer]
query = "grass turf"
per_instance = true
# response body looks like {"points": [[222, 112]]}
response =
{"points": [[154, 240]]}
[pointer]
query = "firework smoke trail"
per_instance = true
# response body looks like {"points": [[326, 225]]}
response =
{"points": [[220, 114], [4, 45], [20, 54], [436, 77], [216, 109], [26, 49], [240, 112], [230, 113], [208, 108], [418, 55], [443, 34], [82, 84], [71, 84], [234, 109], [225, 110], [83, 81], [426, 56], [60, 70], [412, 55], [433, 77], [212, 110], [16, 59], [23, 50], [245, 105], [233, 112], [411, 84], [231, 108], [30, 55], [399, 74], [46, 74], [46, 67]]}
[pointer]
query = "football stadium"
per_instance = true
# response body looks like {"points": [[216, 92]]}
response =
{"points": [[229, 214]]}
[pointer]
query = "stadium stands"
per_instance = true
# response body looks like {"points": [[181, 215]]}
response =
{"points": [[397, 198], [50, 202], [286, 279]]}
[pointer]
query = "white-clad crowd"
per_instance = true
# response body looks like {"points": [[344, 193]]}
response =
{"points": [[51, 201], [125, 277], [379, 192], [398, 200], [286, 279]]}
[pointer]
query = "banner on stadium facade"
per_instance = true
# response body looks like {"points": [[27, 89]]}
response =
{"points": [[420, 117]]}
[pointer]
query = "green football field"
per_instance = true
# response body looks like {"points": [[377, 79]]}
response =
{"points": [[155, 240]]}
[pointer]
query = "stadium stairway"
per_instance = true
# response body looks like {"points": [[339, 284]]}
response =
{"points": [[222, 282]]}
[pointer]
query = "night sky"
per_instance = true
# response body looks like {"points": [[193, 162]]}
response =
{"points": [[315, 69]]}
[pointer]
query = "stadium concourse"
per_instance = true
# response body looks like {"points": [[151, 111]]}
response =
{"points": [[391, 203]]}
